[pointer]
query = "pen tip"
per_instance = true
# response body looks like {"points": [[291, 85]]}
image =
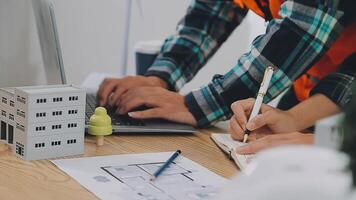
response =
{"points": [[247, 132], [245, 138], [152, 178]]}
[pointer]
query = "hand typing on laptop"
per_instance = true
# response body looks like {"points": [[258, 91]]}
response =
{"points": [[112, 89], [161, 103], [129, 93]]}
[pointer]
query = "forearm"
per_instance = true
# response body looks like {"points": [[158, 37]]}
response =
{"points": [[288, 45], [200, 33], [337, 86], [329, 96], [313, 109]]}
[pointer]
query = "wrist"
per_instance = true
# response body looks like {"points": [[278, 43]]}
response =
{"points": [[297, 119], [156, 81]]}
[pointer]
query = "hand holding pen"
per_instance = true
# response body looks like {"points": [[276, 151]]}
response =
{"points": [[259, 99], [243, 108]]}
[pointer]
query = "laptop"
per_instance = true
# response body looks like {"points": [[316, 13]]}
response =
{"points": [[54, 68]]}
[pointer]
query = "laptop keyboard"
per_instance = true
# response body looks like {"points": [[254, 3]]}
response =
{"points": [[118, 120]]}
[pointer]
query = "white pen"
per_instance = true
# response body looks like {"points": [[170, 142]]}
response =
{"points": [[259, 99]]}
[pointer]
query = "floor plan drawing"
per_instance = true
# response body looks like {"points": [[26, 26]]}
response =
{"points": [[128, 177], [168, 186]]}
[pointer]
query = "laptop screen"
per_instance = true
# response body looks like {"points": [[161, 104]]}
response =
{"points": [[49, 41]]}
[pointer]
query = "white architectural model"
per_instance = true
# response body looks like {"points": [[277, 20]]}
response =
{"points": [[49, 121], [7, 118]]}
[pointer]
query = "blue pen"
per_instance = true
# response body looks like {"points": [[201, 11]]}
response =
{"points": [[165, 165]]}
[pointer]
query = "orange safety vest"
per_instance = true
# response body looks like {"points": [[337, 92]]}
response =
{"points": [[344, 46]]}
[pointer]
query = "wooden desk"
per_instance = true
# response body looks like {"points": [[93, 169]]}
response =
{"points": [[21, 179]]}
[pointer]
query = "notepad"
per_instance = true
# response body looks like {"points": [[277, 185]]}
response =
{"points": [[228, 145]]}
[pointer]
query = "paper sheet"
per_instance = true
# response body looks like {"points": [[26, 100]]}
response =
{"points": [[229, 145], [127, 177]]}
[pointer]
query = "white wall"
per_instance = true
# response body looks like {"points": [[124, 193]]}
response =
{"points": [[20, 56], [90, 33]]}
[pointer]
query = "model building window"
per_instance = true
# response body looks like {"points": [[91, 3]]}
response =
{"points": [[3, 113], [4, 100], [42, 114], [72, 125], [20, 127], [73, 141], [56, 113], [40, 128], [58, 126], [21, 99], [11, 117], [56, 143], [10, 138], [71, 112], [20, 148], [3, 130], [12, 103], [39, 145], [57, 99], [73, 98], [41, 101], [20, 113]]}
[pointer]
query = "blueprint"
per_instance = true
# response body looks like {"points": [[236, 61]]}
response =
{"points": [[127, 177]]}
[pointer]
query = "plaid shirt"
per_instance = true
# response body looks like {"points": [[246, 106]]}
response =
{"points": [[292, 44]]}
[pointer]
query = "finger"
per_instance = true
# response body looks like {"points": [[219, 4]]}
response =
{"points": [[259, 133], [267, 118], [132, 104], [137, 101], [131, 95], [146, 94], [293, 138], [235, 130], [117, 94], [148, 114], [274, 141], [253, 147], [163, 113], [239, 114], [127, 96], [265, 108], [246, 104], [106, 91], [103, 84]]}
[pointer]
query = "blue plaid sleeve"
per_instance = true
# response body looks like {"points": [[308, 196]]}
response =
{"points": [[206, 26], [292, 44]]}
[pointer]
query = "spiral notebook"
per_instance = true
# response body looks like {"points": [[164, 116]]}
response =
{"points": [[228, 145]]}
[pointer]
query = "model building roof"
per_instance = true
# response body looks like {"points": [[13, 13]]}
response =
{"points": [[49, 89], [10, 91]]}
